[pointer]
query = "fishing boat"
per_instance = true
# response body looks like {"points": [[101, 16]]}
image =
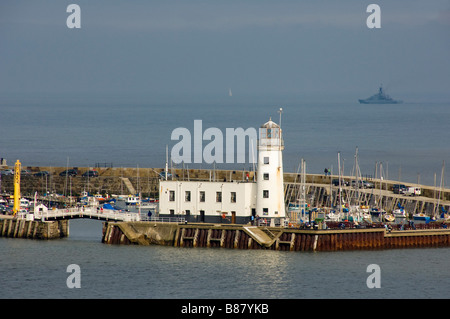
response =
{"points": [[376, 211], [333, 216], [99, 197], [421, 216], [380, 98], [132, 200]]}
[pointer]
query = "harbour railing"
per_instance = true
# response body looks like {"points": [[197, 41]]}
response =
{"points": [[163, 219], [85, 212]]}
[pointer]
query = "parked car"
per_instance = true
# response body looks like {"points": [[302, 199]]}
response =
{"points": [[363, 184], [69, 172], [398, 188], [7, 172], [90, 174], [162, 175], [413, 191], [42, 173], [25, 172], [367, 184], [335, 182]]}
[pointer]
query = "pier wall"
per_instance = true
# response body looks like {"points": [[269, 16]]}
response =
{"points": [[273, 238], [141, 233], [21, 228]]}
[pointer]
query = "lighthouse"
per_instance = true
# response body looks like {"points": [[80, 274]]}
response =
{"points": [[233, 200], [270, 187]]}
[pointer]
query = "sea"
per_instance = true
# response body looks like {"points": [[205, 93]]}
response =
{"points": [[411, 140], [38, 269]]}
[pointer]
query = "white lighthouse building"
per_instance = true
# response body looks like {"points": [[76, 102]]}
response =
{"points": [[270, 187], [238, 201]]}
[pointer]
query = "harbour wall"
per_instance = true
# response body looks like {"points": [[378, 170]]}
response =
{"points": [[111, 180], [320, 192], [272, 238], [22, 228]]}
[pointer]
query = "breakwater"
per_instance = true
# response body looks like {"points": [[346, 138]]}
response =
{"points": [[32, 229], [273, 238]]}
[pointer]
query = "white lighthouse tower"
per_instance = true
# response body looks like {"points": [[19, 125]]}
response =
{"points": [[270, 187]]}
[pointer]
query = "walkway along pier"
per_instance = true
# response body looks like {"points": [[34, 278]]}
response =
{"points": [[53, 224], [235, 236]]}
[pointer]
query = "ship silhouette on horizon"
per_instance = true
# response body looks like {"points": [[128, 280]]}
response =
{"points": [[380, 98]]}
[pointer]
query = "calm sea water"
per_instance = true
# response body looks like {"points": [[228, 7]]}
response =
{"points": [[38, 269], [410, 139]]}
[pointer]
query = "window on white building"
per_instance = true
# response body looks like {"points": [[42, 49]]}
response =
{"points": [[233, 197], [172, 196], [218, 197], [265, 211], [266, 159], [266, 176], [187, 196], [265, 194], [202, 196]]}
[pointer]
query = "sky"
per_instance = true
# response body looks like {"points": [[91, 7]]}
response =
{"points": [[202, 48]]}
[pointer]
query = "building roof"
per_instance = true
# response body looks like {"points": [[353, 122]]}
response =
{"points": [[270, 124]]}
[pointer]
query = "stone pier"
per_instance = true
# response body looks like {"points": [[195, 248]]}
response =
{"points": [[21, 228]]}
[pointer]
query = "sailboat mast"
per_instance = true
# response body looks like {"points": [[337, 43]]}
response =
{"points": [[340, 183], [440, 189]]}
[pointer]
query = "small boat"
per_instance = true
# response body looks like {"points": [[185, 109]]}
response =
{"points": [[148, 204], [376, 211], [132, 200], [421, 216], [24, 203], [367, 218], [399, 213], [333, 216], [389, 217], [355, 218], [99, 197]]}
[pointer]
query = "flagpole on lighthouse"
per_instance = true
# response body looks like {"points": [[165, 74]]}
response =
{"points": [[280, 111]]}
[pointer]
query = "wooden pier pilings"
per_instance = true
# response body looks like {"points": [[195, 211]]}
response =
{"points": [[281, 239], [21, 228]]}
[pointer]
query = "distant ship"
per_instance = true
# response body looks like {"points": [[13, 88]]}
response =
{"points": [[380, 98]]}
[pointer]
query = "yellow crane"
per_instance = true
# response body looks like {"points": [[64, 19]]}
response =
{"points": [[17, 169]]}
